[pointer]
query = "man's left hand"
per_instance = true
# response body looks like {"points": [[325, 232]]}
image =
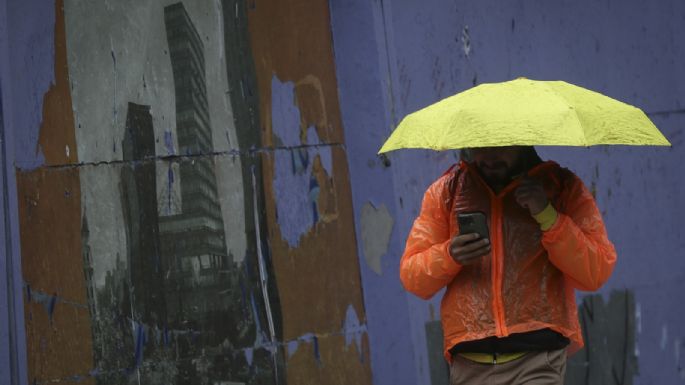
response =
{"points": [[531, 195]]}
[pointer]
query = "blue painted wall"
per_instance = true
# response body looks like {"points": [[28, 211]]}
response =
{"points": [[21, 90], [12, 336], [395, 57]]}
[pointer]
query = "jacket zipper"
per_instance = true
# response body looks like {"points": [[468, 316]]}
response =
{"points": [[497, 266], [497, 243]]}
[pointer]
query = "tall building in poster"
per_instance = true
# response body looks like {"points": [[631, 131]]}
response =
{"points": [[193, 242], [139, 203]]}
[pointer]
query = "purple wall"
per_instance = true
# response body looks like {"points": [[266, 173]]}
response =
{"points": [[30, 72], [26, 49], [395, 58]]}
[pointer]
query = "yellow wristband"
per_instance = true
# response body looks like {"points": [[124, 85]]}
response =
{"points": [[547, 217]]}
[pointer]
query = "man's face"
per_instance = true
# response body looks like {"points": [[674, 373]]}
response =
{"points": [[497, 164]]}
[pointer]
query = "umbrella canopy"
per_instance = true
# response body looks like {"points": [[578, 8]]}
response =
{"points": [[524, 112]]}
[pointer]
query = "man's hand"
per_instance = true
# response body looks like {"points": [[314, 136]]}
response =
{"points": [[466, 249], [531, 195]]}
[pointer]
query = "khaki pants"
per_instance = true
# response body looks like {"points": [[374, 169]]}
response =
{"points": [[535, 368]]}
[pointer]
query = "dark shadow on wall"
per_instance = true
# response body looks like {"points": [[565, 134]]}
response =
{"points": [[608, 357], [244, 97], [439, 369]]}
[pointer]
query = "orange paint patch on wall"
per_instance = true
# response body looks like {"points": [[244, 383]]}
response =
{"points": [[52, 264], [59, 342], [332, 369], [292, 40], [319, 279], [57, 138], [328, 202], [57, 348], [50, 232]]}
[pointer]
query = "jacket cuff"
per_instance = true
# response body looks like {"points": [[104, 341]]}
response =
{"points": [[554, 233], [450, 265], [547, 217]]}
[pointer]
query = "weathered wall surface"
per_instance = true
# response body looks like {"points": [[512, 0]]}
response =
{"points": [[395, 57], [191, 193], [12, 341], [307, 193], [183, 199]]}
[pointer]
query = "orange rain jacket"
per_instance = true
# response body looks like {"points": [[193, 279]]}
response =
{"points": [[527, 281]]}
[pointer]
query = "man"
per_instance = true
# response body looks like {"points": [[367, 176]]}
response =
{"points": [[508, 313]]}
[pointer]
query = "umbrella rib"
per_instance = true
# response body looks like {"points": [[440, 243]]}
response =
{"points": [[572, 108]]}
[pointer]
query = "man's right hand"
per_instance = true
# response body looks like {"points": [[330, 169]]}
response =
{"points": [[467, 249]]}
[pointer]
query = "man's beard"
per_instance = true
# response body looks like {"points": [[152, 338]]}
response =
{"points": [[499, 174]]}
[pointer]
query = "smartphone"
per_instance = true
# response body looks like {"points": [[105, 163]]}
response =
{"points": [[473, 222]]}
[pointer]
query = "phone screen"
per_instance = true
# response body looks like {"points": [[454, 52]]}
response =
{"points": [[473, 222]]}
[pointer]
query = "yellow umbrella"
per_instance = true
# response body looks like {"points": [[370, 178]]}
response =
{"points": [[524, 112]]}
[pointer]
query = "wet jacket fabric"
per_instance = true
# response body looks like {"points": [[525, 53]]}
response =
{"points": [[528, 279]]}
